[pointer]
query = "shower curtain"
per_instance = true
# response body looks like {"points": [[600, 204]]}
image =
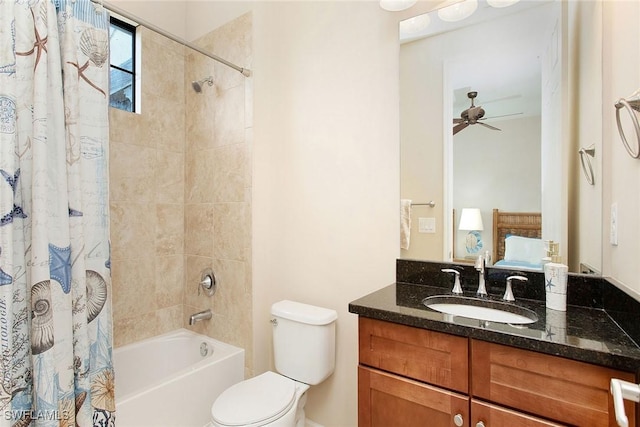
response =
{"points": [[55, 310]]}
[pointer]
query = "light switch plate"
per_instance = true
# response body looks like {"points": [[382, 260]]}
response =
{"points": [[426, 225]]}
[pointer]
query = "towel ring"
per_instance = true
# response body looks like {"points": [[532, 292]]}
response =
{"points": [[630, 105], [585, 161]]}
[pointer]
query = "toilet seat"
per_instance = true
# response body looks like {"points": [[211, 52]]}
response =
{"points": [[255, 402]]}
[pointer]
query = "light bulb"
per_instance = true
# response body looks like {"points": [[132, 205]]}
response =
{"points": [[414, 25], [501, 3], [396, 5], [458, 11]]}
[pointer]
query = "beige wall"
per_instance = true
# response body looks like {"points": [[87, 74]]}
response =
{"points": [[326, 168], [621, 173]]}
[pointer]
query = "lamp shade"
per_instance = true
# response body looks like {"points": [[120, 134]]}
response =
{"points": [[471, 219]]}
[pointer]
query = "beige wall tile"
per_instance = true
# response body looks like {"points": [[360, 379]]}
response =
{"points": [[169, 319], [169, 229], [124, 127], [230, 221], [162, 67], [169, 177], [229, 124], [199, 235], [132, 173], [133, 287], [163, 120], [132, 230], [231, 164], [199, 176], [169, 280]]}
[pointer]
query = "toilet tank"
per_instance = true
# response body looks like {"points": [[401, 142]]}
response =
{"points": [[304, 341]]}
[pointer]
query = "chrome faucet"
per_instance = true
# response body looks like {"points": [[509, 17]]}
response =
{"points": [[202, 315], [481, 267], [457, 289], [508, 293]]}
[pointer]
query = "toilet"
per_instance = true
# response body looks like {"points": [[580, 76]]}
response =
{"points": [[304, 355]]}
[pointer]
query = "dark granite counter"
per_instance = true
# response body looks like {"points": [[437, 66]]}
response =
{"points": [[586, 333]]}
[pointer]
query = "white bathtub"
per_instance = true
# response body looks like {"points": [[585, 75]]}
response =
{"points": [[164, 381]]}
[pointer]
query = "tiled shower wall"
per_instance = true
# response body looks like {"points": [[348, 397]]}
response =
{"points": [[218, 185], [147, 198], [181, 192]]}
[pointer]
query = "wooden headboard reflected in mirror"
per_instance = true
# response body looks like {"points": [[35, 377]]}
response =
{"points": [[524, 224]]}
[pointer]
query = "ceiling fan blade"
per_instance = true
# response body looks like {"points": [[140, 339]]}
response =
{"points": [[455, 121], [489, 126], [457, 128], [502, 115]]}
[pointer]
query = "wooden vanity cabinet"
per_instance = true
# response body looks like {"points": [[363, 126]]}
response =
{"points": [[409, 376], [485, 414], [388, 400], [568, 391]]}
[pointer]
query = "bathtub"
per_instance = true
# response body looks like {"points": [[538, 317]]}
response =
{"points": [[164, 380]]}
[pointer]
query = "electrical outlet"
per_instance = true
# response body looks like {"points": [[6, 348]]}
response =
{"points": [[613, 229]]}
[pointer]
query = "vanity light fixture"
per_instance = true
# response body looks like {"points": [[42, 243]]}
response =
{"points": [[501, 3], [459, 11], [396, 5], [471, 221], [415, 25]]}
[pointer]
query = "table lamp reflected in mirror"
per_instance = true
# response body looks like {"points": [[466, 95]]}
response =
{"points": [[471, 221]]}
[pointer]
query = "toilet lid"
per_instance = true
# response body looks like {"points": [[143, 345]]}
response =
{"points": [[252, 401]]}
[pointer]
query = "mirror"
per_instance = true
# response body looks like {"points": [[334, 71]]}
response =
{"points": [[515, 60]]}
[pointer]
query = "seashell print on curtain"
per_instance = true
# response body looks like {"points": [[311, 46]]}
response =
{"points": [[55, 283]]}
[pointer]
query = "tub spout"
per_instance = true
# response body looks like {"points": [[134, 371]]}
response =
{"points": [[202, 315]]}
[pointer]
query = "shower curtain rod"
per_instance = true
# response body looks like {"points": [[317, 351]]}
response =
{"points": [[115, 9]]}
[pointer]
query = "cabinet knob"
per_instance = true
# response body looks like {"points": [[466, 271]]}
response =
{"points": [[480, 424], [457, 420]]}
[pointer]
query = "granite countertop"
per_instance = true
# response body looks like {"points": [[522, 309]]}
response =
{"points": [[581, 333]]}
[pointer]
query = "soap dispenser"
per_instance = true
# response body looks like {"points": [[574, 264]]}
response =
{"points": [[555, 278]]}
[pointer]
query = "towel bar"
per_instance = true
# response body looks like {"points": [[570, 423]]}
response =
{"points": [[632, 105], [430, 203]]}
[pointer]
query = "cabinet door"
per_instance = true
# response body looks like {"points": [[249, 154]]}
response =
{"points": [[552, 387], [424, 355], [387, 400], [487, 415]]}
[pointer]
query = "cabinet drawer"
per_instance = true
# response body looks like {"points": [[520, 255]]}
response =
{"points": [[560, 389], [428, 356], [387, 400], [496, 416]]}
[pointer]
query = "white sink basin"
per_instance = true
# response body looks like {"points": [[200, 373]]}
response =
{"points": [[475, 308]]}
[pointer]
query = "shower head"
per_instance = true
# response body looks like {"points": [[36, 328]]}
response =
{"points": [[197, 85]]}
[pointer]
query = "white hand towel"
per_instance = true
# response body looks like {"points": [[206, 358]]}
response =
{"points": [[405, 223]]}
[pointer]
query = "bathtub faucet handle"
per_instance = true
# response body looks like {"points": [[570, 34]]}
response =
{"points": [[207, 282]]}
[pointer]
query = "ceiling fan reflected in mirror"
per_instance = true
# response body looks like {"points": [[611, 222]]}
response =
{"points": [[472, 116]]}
